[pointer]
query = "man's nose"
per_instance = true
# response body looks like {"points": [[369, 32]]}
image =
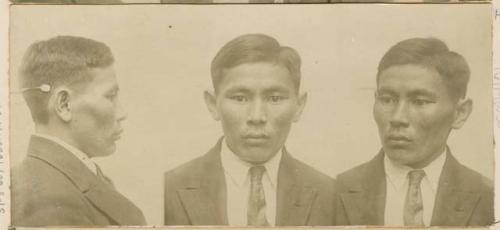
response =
{"points": [[120, 113], [257, 113], [399, 116]]}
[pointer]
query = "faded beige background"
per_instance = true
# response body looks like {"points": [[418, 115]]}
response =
{"points": [[163, 54]]}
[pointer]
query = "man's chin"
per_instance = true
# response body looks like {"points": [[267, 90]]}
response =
{"points": [[401, 156], [256, 157], [105, 152]]}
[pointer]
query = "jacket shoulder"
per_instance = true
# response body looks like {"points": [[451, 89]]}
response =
{"points": [[33, 174], [43, 195], [474, 180], [188, 171], [311, 174], [354, 174]]}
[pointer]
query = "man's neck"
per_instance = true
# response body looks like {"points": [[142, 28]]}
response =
{"points": [[426, 162], [58, 133]]}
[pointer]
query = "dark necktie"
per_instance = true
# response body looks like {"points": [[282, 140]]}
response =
{"points": [[256, 213], [101, 176], [414, 208]]}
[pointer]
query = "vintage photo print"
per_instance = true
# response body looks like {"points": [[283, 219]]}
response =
{"points": [[251, 115], [116, 2]]}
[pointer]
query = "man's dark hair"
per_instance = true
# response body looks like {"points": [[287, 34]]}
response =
{"points": [[434, 54], [63, 60], [253, 48]]}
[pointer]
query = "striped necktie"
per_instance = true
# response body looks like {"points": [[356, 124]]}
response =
{"points": [[414, 208], [256, 213]]}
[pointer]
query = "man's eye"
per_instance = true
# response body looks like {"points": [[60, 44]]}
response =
{"points": [[386, 99], [276, 99], [420, 102], [238, 98], [111, 96]]}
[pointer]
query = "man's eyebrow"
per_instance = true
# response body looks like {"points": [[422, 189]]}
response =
{"points": [[386, 90], [423, 92], [238, 88], [276, 89]]}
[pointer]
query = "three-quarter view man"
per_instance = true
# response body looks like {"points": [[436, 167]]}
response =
{"points": [[415, 180]]}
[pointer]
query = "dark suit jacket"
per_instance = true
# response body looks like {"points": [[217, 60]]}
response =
{"points": [[464, 197], [52, 187], [195, 193]]}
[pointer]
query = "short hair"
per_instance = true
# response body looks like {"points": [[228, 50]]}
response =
{"points": [[62, 60], [430, 53], [253, 48]]}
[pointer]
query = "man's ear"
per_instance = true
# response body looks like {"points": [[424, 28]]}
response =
{"points": [[211, 102], [300, 108], [462, 112], [61, 104]]}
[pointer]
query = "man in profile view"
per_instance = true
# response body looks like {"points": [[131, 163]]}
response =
{"points": [[68, 1], [248, 177], [71, 89], [415, 180]]}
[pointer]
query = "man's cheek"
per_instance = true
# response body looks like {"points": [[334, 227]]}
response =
{"points": [[103, 119], [232, 118], [283, 118]]}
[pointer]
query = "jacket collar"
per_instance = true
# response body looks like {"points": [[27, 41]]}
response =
{"points": [[365, 201], [204, 195], [295, 194], [455, 198]]}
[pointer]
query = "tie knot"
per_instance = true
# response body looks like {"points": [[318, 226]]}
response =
{"points": [[416, 176], [257, 171]]}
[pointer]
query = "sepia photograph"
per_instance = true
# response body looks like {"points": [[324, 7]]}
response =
{"points": [[114, 2], [251, 115]]}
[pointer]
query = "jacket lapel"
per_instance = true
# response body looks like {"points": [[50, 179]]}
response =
{"points": [[200, 209], [114, 205], [204, 198], [294, 196], [364, 203], [455, 201]]}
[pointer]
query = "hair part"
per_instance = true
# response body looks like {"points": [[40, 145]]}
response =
{"points": [[254, 48], [434, 54], [62, 60]]}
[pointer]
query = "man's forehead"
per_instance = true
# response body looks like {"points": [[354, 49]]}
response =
{"points": [[252, 88], [257, 75], [102, 79], [411, 74]]}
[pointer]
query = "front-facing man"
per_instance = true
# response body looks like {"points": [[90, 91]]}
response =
{"points": [[249, 178], [70, 87], [415, 180]]}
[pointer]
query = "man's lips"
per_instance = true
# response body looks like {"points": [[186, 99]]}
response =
{"points": [[255, 137], [260, 136], [117, 134], [398, 139]]}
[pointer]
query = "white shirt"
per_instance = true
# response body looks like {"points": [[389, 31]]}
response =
{"points": [[397, 187], [237, 176], [76, 152]]}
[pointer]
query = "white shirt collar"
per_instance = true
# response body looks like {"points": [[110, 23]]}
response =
{"points": [[397, 173], [75, 151], [237, 169]]}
